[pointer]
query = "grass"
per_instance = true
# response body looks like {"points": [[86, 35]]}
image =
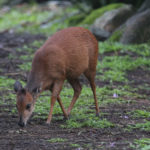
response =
{"points": [[141, 114], [111, 68], [116, 48], [121, 59], [38, 43], [81, 114], [74, 145], [22, 19], [34, 20], [141, 144], [116, 60], [6, 83], [140, 126], [57, 140]]}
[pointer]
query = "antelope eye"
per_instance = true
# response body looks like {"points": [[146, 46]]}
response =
{"points": [[28, 106]]}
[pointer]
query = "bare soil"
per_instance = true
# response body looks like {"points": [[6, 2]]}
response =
{"points": [[36, 134]]}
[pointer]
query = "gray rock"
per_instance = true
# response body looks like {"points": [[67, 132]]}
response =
{"points": [[111, 20], [100, 34], [114, 18], [137, 29], [145, 5]]}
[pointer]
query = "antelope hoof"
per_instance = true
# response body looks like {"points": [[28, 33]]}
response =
{"points": [[47, 123]]}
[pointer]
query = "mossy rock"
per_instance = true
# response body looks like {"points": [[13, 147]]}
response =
{"points": [[75, 20], [99, 12], [116, 35]]}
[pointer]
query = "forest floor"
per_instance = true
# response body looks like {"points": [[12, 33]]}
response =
{"points": [[127, 113], [123, 92]]}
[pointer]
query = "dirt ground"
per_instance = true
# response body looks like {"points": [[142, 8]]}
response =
{"points": [[35, 136]]}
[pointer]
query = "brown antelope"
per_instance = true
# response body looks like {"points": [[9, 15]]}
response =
{"points": [[64, 56]]}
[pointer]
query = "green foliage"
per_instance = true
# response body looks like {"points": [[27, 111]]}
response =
{"points": [[87, 122], [6, 83], [141, 144], [115, 37], [141, 126], [140, 49], [81, 115], [26, 66], [115, 67], [99, 12], [57, 140], [74, 145], [75, 20], [141, 114], [26, 48], [38, 43], [113, 75], [32, 19], [19, 18], [26, 58], [124, 63]]}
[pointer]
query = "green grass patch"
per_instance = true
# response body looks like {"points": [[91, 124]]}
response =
{"points": [[57, 140], [38, 43], [92, 121], [141, 144], [114, 68], [116, 35], [140, 49], [141, 114], [6, 83], [26, 58], [83, 113], [74, 145], [22, 19], [26, 66], [141, 126], [7, 91], [34, 20]]}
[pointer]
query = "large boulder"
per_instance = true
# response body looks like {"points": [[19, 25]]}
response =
{"points": [[100, 34], [99, 12], [111, 20], [145, 5], [137, 29]]}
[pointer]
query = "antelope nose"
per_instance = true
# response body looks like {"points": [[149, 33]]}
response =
{"points": [[21, 124]]}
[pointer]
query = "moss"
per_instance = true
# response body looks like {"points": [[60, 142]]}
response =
{"points": [[117, 34], [75, 20], [115, 37], [99, 12]]}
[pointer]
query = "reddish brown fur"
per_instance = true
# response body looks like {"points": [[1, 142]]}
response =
{"points": [[65, 55]]}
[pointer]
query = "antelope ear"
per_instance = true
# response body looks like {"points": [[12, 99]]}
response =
{"points": [[17, 86]]}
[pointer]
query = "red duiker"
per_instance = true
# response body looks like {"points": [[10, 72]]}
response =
{"points": [[65, 56]]}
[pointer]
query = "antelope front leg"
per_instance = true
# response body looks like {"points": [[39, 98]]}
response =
{"points": [[55, 93], [53, 100], [62, 107]]}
